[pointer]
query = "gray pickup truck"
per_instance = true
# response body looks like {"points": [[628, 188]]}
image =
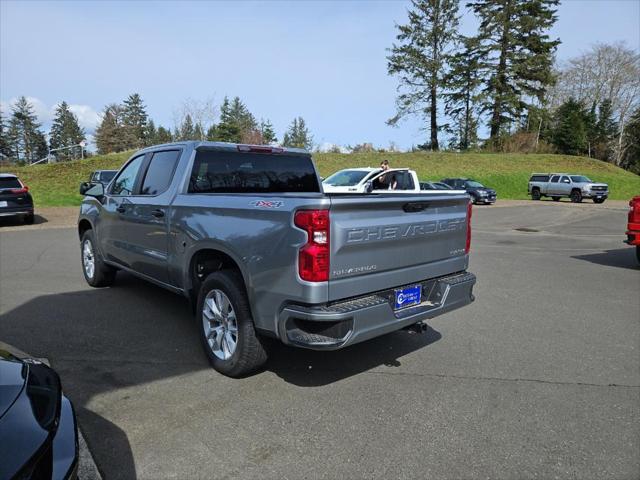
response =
{"points": [[249, 237], [558, 185]]}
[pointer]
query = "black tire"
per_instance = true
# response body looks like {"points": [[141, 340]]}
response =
{"points": [[638, 253], [556, 199], [599, 200], [535, 194], [28, 219], [103, 274], [576, 196], [249, 353]]}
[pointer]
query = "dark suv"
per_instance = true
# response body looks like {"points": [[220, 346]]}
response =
{"points": [[15, 199], [478, 192]]}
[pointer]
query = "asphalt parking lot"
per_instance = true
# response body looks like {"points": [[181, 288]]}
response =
{"points": [[539, 378]]}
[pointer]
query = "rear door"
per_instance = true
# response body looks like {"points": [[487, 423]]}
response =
{"points": [[553, 187], [380, 242]]}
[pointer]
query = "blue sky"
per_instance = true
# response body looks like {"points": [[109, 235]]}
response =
{"points": [[322, 60]]}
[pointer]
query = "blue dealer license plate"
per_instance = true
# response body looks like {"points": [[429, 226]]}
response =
{"points": [[406, 297]]}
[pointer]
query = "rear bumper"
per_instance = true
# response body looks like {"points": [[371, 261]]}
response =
{"points": [[633, 236], [12, 211], [344, 323]]}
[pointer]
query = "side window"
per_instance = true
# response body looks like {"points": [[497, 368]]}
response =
{"points": [[555, 179], [124, 183], [94, 177], [160, 172], [565, 179]]}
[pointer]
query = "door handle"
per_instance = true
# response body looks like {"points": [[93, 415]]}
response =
{"points": [[158, 213], [121, 209]]}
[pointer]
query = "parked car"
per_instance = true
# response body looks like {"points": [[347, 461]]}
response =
{"points": [[478, 192], [15, 199], [558, 185], [37, 422], [633, 225], [99, 176], [434, 186], [362, 180], [247, 234]]}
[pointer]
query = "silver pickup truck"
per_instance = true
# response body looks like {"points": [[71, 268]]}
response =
{"points": [[558, 185], [247, 234]]}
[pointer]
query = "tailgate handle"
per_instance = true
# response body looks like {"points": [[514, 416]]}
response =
{"points": [[414, 207]]}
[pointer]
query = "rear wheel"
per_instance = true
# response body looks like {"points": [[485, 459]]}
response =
{"points": [[96, 272], [556, 199], [576, 196], [638, 253], [535, 194], [28, 219], [226, 325]]}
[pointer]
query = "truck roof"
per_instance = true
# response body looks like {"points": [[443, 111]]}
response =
{"points": [[206, 145]]}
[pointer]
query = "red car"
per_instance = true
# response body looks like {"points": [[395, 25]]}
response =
{"points": [[633, 227]]}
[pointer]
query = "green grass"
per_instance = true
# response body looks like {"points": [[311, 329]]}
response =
{"points": [[57, 184]]}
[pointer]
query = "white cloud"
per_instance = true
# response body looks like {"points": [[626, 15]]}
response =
{"points": [[88, 118]]}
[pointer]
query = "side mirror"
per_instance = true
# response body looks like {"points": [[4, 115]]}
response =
{"points": [[368, 187], [93, 190], [84, 186]]}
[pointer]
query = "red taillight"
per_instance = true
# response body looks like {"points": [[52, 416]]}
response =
{"points": [[24, 189], [313, 258], [634, 210], [468, 245]]}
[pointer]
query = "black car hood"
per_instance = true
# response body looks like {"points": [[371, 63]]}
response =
{"points": [[13, 376]]}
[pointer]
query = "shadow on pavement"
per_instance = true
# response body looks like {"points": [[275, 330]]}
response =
{"points": [[620, 257], [17, 221], [111, 339]]}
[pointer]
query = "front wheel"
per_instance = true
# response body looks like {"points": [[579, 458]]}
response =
{"points": [[226, 325], [599, 200], [576, 196], [96, 272]]}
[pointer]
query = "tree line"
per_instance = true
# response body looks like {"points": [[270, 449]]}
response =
{"points": [[22, 138], [505, 78], [127, 126]]}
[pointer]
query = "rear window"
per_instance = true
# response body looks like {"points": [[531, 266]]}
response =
{"points": [[9, 182], [107, 176], [229, 172], [539, 178]]}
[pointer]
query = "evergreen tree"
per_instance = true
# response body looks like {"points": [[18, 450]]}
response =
{"points": [[630, 154], [421, 57], [212, 133], [298, 135], [24, 135], [606, 131], [5, 151], [516, 55], [151, 134], [112, 135], [198, 132], [163, 135], [227, 130], [570, 133], [186, 130], [65, 132], [237, 123], [134, 118], [267, 132], [462, 96]]}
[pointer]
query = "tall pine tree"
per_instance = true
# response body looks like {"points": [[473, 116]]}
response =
{"points": [[24, 135], [267, 132], [571, 130], [5, 152], [516, 54], [420, 59], [462, 96], [298, 135], [134, 119], [112, 135], [65, 133]]}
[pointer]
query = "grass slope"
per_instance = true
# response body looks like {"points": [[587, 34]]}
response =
{"points": [[57, 184]]}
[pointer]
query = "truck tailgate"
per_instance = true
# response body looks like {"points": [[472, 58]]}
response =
{"points": [[384, 241]]}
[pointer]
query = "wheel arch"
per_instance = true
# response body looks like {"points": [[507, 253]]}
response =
{"points": [[83, 226]]}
